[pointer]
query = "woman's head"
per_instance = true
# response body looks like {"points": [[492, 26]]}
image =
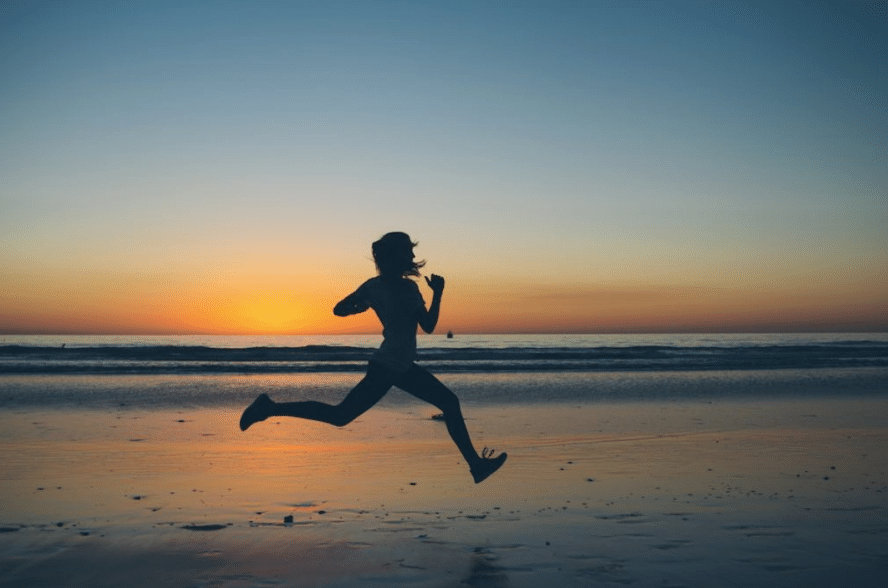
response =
{"points": [[393, 254]]}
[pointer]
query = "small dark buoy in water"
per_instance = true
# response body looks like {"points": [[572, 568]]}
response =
{"points": [[450, 334]]}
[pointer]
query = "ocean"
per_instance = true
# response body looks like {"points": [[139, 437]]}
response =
{"points": [[144, 371]]}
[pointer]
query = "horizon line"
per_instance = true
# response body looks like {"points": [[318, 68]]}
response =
{"points": [[876, 330]]}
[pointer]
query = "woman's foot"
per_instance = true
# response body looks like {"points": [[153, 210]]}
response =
{"points": [[485, 466], [258, 411]]}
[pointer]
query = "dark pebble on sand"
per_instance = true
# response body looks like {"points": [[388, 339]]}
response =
{"points": [[204, 527], [322, 512]]}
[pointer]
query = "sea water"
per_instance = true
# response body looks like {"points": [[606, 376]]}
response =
{"points": [[207, 371]]}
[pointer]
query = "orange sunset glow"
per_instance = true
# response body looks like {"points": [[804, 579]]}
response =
{"points": [[468, 308]]}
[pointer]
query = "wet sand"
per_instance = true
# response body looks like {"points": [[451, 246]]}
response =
{"points": [[783, 493]]}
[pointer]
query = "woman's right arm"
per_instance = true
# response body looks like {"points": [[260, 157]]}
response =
{"points": [[354, 303]]}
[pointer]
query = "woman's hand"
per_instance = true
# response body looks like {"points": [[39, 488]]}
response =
{"points": [[436, 283]]}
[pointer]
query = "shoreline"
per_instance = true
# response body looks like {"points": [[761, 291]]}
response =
{"points": [[28, 392]]}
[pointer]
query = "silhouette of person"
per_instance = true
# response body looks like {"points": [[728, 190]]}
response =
{"points": [[400, 308]]}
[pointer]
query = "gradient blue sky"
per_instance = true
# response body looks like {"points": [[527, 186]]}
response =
{"points": [[568, 166]]}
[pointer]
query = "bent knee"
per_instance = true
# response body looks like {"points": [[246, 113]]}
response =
{"points": [[449, 404], [341, 421], [341, 418]]}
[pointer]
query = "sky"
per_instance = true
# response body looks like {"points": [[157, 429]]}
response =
{"points": [[176, 167]]}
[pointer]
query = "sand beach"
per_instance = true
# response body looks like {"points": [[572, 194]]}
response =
{"points": [[690, 493]]}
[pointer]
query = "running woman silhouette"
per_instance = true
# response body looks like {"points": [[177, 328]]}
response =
{"points": [[400, 307]]}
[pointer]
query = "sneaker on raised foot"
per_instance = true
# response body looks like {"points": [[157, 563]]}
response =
{"points": [[487, 465], [258, 411]]}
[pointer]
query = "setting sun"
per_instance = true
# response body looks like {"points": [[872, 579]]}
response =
{"points": [[263, 312], [269, 312]]}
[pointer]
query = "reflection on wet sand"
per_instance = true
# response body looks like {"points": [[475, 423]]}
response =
{"points": [[484, 571], [645, 494]]}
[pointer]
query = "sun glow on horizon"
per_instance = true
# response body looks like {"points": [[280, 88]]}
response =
{"points": [[292, 298], [267, 312]]}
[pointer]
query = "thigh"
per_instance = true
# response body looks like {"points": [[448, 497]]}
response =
{"points": [[369, 390], [420, 383]]}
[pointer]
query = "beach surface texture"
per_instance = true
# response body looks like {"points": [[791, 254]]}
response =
{"points": [[654, 477]]}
